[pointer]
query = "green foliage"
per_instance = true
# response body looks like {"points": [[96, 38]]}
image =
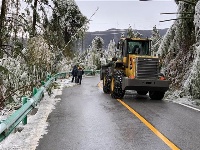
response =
{"points": [[3, 70], [67, 24], [67, 18]]}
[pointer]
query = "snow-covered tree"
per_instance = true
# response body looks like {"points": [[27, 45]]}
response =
{"points": [[25, 62], [39, 56], [111, 49], [67, 24], [15, 79], [192, 84], [156, 40], [177, 49], [97, 43], [97, 47], [132, 34]]}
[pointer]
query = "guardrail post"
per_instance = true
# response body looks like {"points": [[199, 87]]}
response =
{"points": [[48, 77], [24, 101], [42, 82], [34, 91], [65, 75]]}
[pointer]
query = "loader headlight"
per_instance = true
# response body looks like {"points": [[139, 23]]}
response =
{"points": [[161, 76], [132, 77]]}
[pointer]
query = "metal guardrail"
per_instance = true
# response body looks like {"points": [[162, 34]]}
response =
{"points": [[8, 125]]}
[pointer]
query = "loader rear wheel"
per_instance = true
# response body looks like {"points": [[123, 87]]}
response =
{"points": [[142, 92], [156, 95], [106, 84], [116, 85]]}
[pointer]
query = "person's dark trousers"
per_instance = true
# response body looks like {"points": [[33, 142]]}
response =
{"points": [[79, 79], [74, 78]]}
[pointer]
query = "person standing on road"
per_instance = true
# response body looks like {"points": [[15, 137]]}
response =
{"points": [[80, 74], [74, 73]]}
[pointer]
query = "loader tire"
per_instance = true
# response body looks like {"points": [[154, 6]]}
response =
{"points": [[106, 84], [116, 85]]}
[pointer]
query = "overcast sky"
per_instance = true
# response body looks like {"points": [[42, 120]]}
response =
{"points": [[119, 14]]}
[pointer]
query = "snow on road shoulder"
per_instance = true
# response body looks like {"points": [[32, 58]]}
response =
{"points": [[28, 138]]}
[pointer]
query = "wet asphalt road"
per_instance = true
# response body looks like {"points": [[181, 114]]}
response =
{"points": [[88, 119]]}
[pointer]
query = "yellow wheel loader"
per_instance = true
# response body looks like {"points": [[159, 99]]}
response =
{"points": [[135, 70]]}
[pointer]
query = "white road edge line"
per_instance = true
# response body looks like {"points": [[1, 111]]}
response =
{"points": [[190, 107]]}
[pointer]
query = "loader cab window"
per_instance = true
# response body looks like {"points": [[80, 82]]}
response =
{"points": [[138, 47]]}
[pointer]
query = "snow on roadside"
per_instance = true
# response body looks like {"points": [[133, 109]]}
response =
{"points": [[29, 137]]}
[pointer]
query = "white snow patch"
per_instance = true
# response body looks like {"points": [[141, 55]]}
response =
{"points": [[186, 101]]}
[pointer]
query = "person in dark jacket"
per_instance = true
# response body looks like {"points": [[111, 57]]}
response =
{"points": [[74, 73], [80, 74]]}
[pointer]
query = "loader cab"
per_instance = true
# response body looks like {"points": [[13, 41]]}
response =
{"points": [[134, 46]]}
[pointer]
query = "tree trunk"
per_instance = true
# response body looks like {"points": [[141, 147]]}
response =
{"points": [[2, 20], [34, 17], [1, 99], [16, 27], [1, 95]]}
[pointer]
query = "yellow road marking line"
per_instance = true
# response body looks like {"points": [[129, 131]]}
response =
{"points": [[151, 127]]}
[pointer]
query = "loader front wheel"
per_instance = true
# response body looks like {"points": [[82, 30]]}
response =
{"points": [[106, 84], [116, 85]]}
